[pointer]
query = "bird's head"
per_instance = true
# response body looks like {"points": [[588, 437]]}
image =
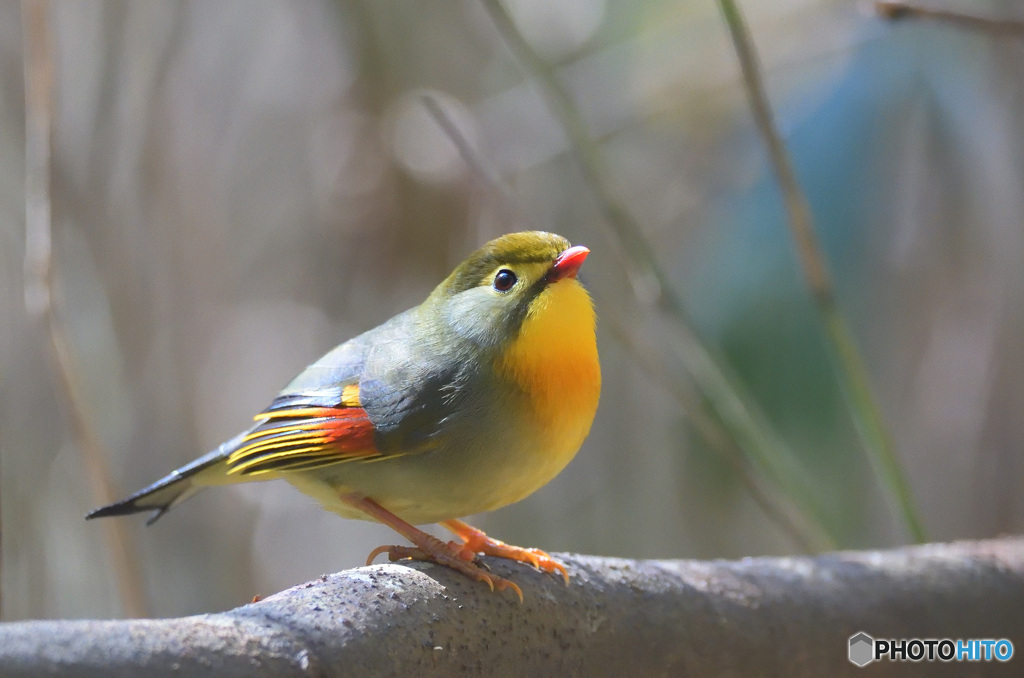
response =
{"points": [[488, 296]]}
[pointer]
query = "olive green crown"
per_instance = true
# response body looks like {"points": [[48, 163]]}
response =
{"points": [[527, 247]]}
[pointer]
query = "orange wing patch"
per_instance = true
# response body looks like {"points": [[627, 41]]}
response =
{"points": [[304, 438]]}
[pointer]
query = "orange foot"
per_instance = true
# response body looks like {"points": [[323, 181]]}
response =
{"points": [[451, 555], [478, 542], [429, 548]]}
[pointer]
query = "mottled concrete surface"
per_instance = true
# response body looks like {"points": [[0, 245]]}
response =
{"points": [[758, 616]]}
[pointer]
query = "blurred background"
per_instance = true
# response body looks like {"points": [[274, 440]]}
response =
{"points": [[239, 186]]}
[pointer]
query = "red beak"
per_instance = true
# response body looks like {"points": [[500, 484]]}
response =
{"points": [[568, 263]]}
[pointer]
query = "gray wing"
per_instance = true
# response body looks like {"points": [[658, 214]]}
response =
{"points": [[385, 392], [412, 384]]}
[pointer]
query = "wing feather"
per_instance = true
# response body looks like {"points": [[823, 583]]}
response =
{"points": [[294, 435]]}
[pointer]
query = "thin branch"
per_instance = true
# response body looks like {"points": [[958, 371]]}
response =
{"points": [[895, 11], [479, 168], [727, 400], [39, 286], [38, 108], [486, 178], [850, 367], [805, 534], [753, 617]]}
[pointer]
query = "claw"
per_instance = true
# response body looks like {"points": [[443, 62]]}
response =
{"points": [[377, 551], [450, 555], [476, 541], [458, 556], [506, 584]]}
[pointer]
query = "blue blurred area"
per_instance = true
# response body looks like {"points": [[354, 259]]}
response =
{"points": [[746, 288]]}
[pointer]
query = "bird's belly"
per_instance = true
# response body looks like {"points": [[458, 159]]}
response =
{"points": [[452, 481]]}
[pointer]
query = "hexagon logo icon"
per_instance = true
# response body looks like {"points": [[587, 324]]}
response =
{"points": [[862, 649]]}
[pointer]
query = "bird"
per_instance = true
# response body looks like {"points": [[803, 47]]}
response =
{"points": [[469, 402]]}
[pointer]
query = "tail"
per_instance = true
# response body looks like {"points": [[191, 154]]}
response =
{"points": [[173, 489]]}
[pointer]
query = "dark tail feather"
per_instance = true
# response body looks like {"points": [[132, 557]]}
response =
{"points": [[169, 491], [158, 497]]}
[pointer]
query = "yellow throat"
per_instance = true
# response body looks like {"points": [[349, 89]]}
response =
{"points": [[554, 359]]}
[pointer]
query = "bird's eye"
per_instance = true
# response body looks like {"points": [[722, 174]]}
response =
{"points": [[504, 280]]}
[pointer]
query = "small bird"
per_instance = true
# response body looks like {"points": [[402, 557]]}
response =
{"points": [[466, 403]]}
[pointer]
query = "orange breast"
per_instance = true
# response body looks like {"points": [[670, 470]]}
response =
{"points": [[554, 360]]}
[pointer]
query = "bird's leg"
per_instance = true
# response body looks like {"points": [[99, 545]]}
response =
{"points": [[478, 542], [428, 547]]}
